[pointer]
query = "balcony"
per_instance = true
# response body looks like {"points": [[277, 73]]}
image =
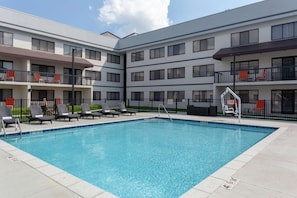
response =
{"points": [[42, 77], [283, 73]]}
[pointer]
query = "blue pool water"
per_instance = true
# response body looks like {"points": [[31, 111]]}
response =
{"points": [[143, 158]]}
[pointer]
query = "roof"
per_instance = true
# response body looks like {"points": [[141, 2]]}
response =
{"points": [[42, 56], [36, 25], [256, 48], [242, 16]]}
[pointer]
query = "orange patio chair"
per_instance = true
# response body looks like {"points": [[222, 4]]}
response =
{"points": [[57, 78], [9, 75], [243, 75], [38, 77], [262, 76], [260, 105], [9, 102]]}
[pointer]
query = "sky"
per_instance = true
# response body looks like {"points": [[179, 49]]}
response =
{"points": [[122, 17]]}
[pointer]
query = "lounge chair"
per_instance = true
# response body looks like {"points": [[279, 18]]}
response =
{"points": [[63, 113], [107, 111], [85, 111], [6, 116], [37, 115], [123, 109]]}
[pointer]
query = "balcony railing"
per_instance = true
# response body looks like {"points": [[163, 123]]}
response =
{"points": [[42, 77], [257, 75]]}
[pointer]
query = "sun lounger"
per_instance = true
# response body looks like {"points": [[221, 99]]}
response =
{"points": [[63, 113], [37, 115], [107, 111], [123, 109], [85, 112], [6, 116]]}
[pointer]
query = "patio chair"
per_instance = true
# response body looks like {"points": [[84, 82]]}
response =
{"points": [[9, 102], [63, 113], [243, 75], [262, 76], [9, 75], [37, 115], [107, 111], [87, 112], [123, 109], [57, 78], [37, 77], [6, 116], [260, 105]]}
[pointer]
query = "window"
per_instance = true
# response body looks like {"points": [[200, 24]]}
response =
{"points": [[176, 73], [43, 45], [203, 70], [96, 95], [43, 69], [176, 95], [157, 74], [94, 75], [5, 93], [92, 54], [113, 59], [113, 77], [157, 95], [245, 38], [38, 95], [178, 49], [157, 53], [251, 66], [202, 96], [68, 50], [137, 96], [6, 38], [137, 76], [113, 95], [137, 56], [5, 65], [284, 31], [203, 45], [248, 96]]}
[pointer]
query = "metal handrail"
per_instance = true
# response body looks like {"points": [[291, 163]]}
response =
{"points": [[161, 105]]}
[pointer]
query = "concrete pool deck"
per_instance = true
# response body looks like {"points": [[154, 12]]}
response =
{"points": [[268, 169]]}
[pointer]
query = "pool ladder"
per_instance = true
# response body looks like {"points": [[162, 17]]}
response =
{"points": [[17, 125], [161, 105]]}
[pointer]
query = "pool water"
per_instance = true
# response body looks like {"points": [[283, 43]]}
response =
{"points": [[143, 158]]}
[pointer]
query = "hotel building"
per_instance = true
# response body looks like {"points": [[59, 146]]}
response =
{"points": [[187, 63]]}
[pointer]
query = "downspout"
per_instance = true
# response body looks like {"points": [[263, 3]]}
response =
{"points": [[125, 78]]}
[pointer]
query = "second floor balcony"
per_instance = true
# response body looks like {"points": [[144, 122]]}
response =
{"points": [[42, 77], [283, 73]]}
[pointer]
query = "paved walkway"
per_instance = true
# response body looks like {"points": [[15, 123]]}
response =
{"points": [[269, 169]]}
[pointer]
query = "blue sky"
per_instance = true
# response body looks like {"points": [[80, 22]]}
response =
{"points": [[122, 17]]}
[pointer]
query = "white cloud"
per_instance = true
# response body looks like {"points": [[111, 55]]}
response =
{"points": [[135, 15], [90, 8]]}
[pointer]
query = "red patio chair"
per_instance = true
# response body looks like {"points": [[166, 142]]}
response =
{"points": [[57, 78], [260, 105], [9, 75], [243, 75], [9, 102]]}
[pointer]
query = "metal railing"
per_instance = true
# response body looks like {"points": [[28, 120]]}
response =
{"points": [[258, 75], [43, 77]]}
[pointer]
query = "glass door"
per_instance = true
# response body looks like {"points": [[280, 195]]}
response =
{"points": [[288, 68], [288, 101]]}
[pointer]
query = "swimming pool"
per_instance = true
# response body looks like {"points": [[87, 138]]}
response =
{"points": [[144, 158]]}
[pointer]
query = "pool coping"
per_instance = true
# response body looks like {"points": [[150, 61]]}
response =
{"points": [[203, 189]]}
